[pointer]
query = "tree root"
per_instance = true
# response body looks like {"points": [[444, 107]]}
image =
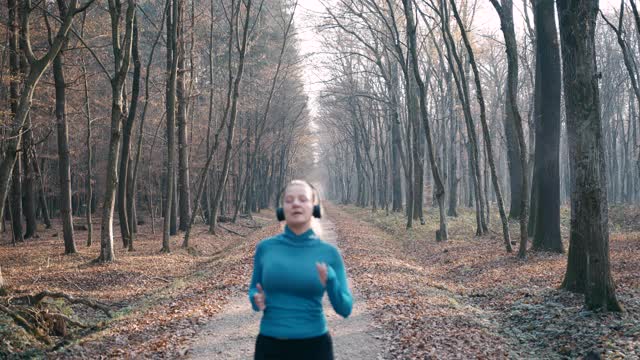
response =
{"points": [[29, 313], [33, 330], [37, 299]]}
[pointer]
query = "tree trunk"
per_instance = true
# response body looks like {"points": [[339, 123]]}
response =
{"points": [[463, 95], [505, 12], [547, 119], [125, 194], [37, 66], [134, 177], [89, 183], [13, 167], [41, 197], [485, 130], [122, 58], [64, 163], [588, 267], [16, 201], [442, 233], [172, 70], [181, 119], [396, 140], [29, 199]]}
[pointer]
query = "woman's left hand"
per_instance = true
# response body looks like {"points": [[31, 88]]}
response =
{"points": [[322, 272]]}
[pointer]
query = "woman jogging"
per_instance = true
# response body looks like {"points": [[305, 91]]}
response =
{"points": [[291, 273]]}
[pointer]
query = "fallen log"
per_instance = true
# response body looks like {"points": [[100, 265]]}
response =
{"points": [[231, 231]]}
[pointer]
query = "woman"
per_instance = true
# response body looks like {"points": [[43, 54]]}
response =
{"points": [[291, 273]]}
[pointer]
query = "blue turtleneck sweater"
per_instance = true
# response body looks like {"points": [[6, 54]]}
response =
{"points": [[285, 267]]}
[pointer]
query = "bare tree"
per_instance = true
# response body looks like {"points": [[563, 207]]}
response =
{"points": [[485, 129], [240, 44], [588, 267], [442, 233], [505, 12], [172, 70], [64, 163], [121, 60], [545, 194], [37, 66]]}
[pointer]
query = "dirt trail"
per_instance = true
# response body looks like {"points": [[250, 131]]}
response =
{"points": [[231, 335]]}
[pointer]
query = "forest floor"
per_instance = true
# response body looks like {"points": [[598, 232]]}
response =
{"points": [[467, 298], [158, 300], [464, 298]]}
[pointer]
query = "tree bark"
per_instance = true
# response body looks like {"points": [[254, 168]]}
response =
{"points": [[463, 95], [485, 130], [125, 194], [505, 12], [546, 193], [41, 197], [242, 48], [442, 233], [64, 163], [37, 66], [184, 189], [29, 198], [588, 267], [14, 89], [122, 59], [89, 182], [172, 65], [16, 201]]}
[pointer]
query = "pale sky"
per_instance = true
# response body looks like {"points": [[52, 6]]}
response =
{"points": [[486, 22]]}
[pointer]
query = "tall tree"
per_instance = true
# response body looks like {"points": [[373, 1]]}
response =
{"points": [[64, 163], [29, 193], [505, 13], [37, 66], [184, 186], [121, 60], [241, 36], [545, 194], [87, 113], [485, 129], [125, 197], [442, 233], [627, 54], [17, 72], [172, 69], [460, 79], [588, 267]]}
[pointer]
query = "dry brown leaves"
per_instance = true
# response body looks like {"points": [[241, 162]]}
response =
{"points": [[160, 299], [466, 298]]}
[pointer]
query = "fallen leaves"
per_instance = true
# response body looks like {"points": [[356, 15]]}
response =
{"points": [[160, 300], [466, 298]]}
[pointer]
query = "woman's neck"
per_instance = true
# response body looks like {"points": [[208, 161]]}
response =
{"points": [[300, 228]]}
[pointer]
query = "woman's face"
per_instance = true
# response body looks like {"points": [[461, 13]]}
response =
{"points": [[298, 204]]}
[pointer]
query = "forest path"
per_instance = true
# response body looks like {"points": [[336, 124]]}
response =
{"points": [[231, 335]]}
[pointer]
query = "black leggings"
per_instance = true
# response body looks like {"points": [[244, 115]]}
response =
{"points": [[316, 348]]}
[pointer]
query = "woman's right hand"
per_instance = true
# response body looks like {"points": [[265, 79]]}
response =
{"points": [[259, 298]]}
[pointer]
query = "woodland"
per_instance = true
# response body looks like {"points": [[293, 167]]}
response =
{"points": [[485, 185]]}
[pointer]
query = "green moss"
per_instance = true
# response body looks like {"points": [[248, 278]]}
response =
{"points": [[16, 343]]}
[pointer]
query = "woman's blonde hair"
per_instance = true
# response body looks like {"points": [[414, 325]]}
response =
{"points": [[315, 195]]}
